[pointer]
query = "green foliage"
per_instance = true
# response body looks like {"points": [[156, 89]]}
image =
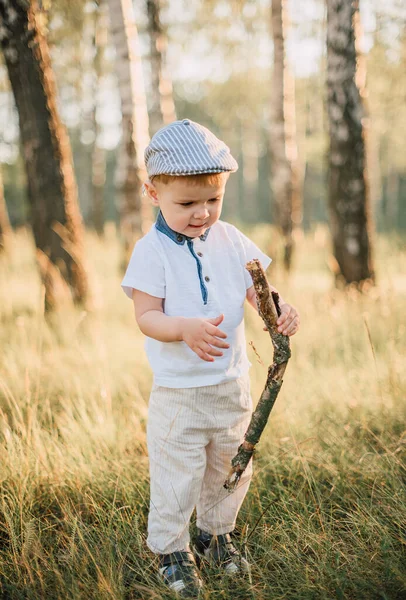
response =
{"points": [[15, 192], [220, 60], [324, 517], [386, 93]]}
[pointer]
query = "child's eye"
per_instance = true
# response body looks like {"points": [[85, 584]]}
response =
{"points": [[212, 200]]}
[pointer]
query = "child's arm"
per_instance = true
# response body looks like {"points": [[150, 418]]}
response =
{"points": [[199, 334], [288, 322]]}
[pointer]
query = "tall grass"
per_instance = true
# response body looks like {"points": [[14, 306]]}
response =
{"points": [[325, 515]]}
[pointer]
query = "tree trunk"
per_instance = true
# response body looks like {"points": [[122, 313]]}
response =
{"points": [[269, 310], [5, 227], [55, 216], [162, 109], [283, 145], [135, 210], [347, 181], [98, 153]]}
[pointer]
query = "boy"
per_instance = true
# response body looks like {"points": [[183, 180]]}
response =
{"points": [[187, 278]]}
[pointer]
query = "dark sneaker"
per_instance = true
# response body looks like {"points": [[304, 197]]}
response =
{"points": [[219, 550], [178, 571]]}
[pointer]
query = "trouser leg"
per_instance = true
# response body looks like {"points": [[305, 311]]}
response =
{"points": [[176, 447], [217, 509]]}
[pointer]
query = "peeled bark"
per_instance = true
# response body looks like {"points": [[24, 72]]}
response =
{"points": [[162, 109], [268, 308], [134, 209], [55, 216], [283, 146], [347, 180]]}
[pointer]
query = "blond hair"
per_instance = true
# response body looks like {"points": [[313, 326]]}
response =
{"points": [[197, 180]]}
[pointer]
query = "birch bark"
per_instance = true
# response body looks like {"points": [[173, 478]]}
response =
{"points": [[348, 188], [162, 109], [55, 216], [98, 152], [283, 144], [134, 209]]}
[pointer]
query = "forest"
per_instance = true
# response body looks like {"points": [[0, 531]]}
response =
{"points": [[311, 99]]}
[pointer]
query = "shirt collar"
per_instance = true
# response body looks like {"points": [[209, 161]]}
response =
{"points": [[178, 238]]}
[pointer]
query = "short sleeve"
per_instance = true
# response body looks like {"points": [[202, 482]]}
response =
{"points": [[145, 271], [249, 251]]}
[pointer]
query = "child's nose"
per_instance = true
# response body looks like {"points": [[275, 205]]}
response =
{"points": [[201, 213]]}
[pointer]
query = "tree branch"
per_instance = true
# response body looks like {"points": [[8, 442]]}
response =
{"points": [[268, 308]]}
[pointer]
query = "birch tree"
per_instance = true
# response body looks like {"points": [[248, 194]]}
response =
{"points": [[283, 144], [162, 109], [348, 188], [98, 152], [134, 209], [55, 217]]}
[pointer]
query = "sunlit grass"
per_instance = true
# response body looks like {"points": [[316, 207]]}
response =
{"points": [[325, 515]]}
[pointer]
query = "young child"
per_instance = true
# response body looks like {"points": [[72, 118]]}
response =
{"points": [[188, 281]]}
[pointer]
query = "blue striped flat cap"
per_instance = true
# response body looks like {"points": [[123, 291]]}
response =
{"points": [[187, 148]]}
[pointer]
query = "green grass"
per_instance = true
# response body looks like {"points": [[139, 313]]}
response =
{"points": [[325, 515]]}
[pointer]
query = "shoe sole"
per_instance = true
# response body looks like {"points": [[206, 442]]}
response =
{"points": [[167, 586], [201, 558]]}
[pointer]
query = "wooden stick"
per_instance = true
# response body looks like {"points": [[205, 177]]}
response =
{"points": [[268, 308]]}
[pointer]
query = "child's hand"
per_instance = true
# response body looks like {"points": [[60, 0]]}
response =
{"points": [[288, 322], [202, 334]]}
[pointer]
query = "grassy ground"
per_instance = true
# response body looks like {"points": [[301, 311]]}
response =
{"points": [[325, 516]]}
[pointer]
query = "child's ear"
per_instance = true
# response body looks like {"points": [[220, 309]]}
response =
{"points": [[151, 191]]}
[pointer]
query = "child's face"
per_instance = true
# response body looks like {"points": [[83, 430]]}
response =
{"points": [[188, 208]]}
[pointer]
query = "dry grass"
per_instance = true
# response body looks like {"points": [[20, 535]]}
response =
{"points": [[325, 516]]}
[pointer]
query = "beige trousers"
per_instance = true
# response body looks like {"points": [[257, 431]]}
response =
{"points": [[193, 433]]}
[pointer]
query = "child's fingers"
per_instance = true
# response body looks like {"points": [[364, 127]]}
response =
{"points": [[288, 322], [292, 330], [213, 341], [284, 314], [215, 331], [210, 350], [291, 326], [216, 320], [204, 355], [288, 316]]}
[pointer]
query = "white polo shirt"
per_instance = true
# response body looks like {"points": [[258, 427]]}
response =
{"points": [[197, 277]]}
